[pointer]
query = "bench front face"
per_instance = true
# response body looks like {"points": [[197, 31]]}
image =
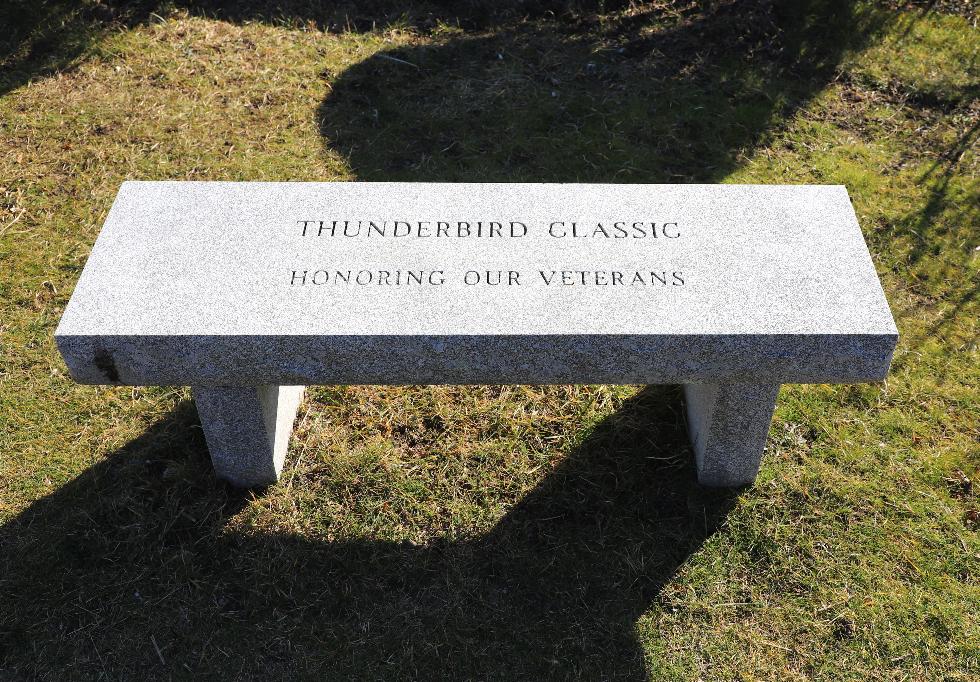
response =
{"points": [[220, 283]]}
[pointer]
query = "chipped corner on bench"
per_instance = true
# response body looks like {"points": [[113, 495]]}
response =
{"points": [[88, 359]]}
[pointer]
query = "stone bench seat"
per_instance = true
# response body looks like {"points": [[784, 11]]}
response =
{"points": [[249, 291]]}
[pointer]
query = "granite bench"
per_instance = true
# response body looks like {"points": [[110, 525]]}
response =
{"points": [[249, 291]]}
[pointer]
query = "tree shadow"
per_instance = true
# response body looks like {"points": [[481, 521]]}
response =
{"points": [[939, 244], [135, 556], [666, 93], [42, 37], [938, 259]]}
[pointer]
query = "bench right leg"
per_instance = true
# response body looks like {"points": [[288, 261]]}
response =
{"points": [[728, 425], [247, 430]]}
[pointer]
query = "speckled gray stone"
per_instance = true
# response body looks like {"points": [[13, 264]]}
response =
{"points": [[191, 281], [247, 429], [728, 425], [217, 284]]}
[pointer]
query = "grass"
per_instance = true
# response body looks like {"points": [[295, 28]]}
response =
{"points": [[494, 532]]}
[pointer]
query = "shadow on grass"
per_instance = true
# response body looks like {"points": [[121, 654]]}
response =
{"points": [[134, 556], [42, 37], [666, 93], [939, 244], [939, 258]]}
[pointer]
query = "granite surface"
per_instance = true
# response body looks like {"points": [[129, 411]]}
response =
{"points": [[217, 283], [728, 425], [247, 430]]}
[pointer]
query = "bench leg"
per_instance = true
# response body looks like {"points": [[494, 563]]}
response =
{"points": [[728, 424], [247, 430]]}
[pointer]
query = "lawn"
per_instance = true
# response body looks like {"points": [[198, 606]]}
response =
{"points": [[507, 532]]}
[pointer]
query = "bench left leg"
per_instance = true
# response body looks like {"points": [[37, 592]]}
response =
{"points": [[247, 430], [728, 424]]}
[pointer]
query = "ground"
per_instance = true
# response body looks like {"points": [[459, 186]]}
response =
{"points": [[494, 532]]}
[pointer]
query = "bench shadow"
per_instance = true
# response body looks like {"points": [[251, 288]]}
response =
{"points": [[141, 553]]}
